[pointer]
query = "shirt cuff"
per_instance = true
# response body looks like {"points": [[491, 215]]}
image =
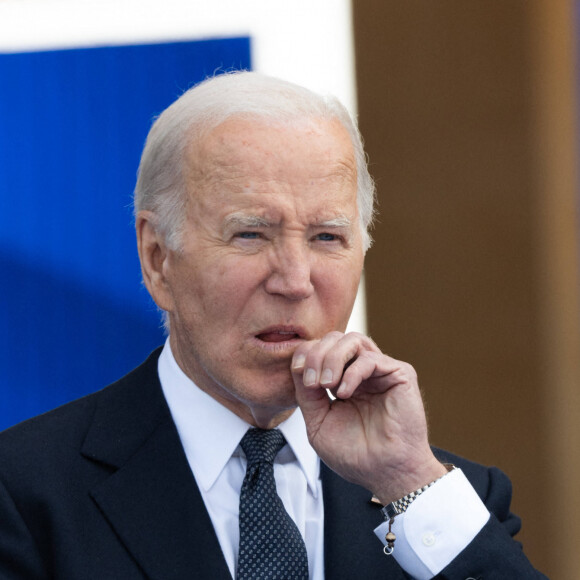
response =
{"points": [[437, 526]]}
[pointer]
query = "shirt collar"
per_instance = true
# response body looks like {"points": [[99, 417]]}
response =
{"points": [[196, 416]]}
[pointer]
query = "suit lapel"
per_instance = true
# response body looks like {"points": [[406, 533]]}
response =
{"points": [[351, 549], [151, 499]]}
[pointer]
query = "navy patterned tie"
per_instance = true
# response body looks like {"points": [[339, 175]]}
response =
{"points": [[270, 544]]}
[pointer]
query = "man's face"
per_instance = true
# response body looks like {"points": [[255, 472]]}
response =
{"points": [[271, 256]]}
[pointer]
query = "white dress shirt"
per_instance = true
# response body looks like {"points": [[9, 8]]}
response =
{"points": [[210, 435], [430, 534]]}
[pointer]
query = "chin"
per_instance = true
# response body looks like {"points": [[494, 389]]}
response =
{"points": [[277, 397]]}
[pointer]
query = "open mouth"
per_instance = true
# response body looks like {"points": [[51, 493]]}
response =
{"points": [[280, 335]]}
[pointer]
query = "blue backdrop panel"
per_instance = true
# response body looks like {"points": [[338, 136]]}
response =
{"points": [[73, 313]]}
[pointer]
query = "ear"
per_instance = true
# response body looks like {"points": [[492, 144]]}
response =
{"points": [[153, 255]]}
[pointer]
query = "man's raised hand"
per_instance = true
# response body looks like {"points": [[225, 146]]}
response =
{"points": [[374, 433]]}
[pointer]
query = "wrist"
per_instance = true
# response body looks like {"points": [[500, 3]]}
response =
{"points": [[410, 481], [399, 506]]}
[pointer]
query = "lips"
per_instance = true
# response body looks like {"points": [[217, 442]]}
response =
{"points": [[280, 334], [277, 336]]}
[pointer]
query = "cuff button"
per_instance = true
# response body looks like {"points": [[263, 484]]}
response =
{"points": [[428, 539]]}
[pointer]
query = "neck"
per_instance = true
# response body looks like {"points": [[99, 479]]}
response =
{"points": [[265, 420]]}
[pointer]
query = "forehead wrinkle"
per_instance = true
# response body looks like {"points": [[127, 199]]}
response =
{"points": [[228, 165], [344, 168]]}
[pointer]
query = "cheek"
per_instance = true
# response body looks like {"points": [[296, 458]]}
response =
{"points": [[339, 277], [337, 290], [225, 293]]}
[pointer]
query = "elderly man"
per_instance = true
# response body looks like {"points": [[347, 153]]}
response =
{"points": [[223, 454]]}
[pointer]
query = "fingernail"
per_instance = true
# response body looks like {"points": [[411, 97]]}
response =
{"points": [[341, 389], [299, 362], [309, 377], [326, 377]]}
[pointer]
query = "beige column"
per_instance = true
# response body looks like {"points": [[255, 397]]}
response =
{"points": [[468, 110]]}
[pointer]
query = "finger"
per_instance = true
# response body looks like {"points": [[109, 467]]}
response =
{"points": [[342, 355], [378, 373], [299, 356], [308, 358], [323, 362], [314, 404]]}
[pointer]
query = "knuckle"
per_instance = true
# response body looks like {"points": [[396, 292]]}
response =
{"points": [[363, 342], [333, 336], [409, 371], [353, 334], [368, 355]]}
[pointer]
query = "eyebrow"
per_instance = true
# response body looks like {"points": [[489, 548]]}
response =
{"points": [[240, 219], [337, 222], [243, 220]]}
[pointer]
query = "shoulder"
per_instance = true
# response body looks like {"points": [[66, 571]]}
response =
{"points": [[54, 434], [51, 429]]}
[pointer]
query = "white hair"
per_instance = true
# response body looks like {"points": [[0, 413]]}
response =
{"points": [[160, 184]]}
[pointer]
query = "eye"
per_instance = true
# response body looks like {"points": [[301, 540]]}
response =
{"points": [[248, 235], [326, 237]]}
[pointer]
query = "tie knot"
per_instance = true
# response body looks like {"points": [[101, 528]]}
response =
{"points": [[262, 445]]}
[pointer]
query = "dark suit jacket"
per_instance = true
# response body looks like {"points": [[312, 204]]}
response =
{"points": [[100, 489]]}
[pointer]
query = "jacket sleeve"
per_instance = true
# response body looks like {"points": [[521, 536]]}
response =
{"points": [[494, 554]]}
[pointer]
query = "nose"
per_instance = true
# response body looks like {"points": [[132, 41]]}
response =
{"points": [[290, 271]]}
